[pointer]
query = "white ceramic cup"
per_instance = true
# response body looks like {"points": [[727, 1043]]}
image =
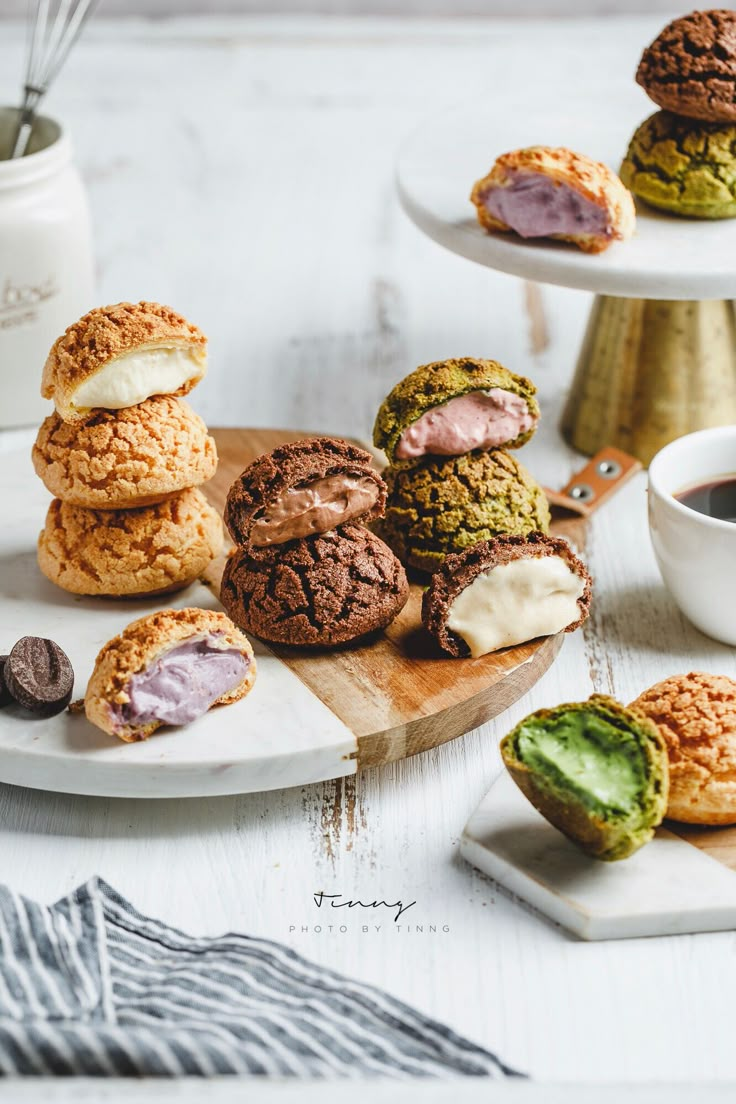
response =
{"points": [[696, 553]]}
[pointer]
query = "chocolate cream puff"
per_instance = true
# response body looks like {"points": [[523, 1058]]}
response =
{"points": [[506, 591], [306, 572], [302, 489], [543, 192], [690, 68], [320, 591]]}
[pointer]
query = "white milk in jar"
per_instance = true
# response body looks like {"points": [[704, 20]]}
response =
{"points": [[46, 265]]}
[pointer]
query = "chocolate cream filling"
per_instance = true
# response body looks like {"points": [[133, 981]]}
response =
{"points": [[182, 684], [476, 420], [535, 206], [314, 507]]}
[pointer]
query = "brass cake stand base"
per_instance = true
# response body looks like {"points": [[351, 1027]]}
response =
{"points": [[649, 371]]}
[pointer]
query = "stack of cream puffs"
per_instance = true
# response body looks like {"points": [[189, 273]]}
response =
{"points": [[447, 430], [123, 455]]}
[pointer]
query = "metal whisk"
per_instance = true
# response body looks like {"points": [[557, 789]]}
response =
{"points": [[55, 28]]}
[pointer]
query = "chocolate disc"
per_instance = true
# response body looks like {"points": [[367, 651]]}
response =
{"points": [[39, 676], [5, 695]]}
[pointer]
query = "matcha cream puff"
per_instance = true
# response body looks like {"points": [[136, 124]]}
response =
{"points": [[454, 406], [683, 166], [597, 771], [446, 504]]}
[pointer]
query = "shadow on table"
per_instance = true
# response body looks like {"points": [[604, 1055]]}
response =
{"points": [[644, 617], [21, 580], [40, 813]]}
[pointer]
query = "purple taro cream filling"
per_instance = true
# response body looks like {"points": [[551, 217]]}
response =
{"points": [[182, 684], [535, 206], [477, 420]]}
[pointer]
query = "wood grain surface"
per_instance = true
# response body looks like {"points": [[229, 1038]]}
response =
{"points": [[396, 691], [719, 843]]}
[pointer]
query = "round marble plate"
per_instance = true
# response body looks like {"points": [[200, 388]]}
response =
{"points": [[668, 257], [310, 716]]}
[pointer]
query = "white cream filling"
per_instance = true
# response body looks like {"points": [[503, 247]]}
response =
{"points": [[136, 376], [515, 602]]}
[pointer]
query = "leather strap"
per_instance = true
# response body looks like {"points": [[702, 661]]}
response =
{"points": [[603, 475]]}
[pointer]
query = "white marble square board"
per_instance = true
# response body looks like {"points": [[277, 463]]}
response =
{"points": [[668, 887]]}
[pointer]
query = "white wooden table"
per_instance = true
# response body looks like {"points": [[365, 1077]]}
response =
{"points": [[242, 171]]}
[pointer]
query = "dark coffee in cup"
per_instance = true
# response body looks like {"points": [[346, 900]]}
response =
{"points": [[715, 497]]}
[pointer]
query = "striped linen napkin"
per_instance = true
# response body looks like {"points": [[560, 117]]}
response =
{"points": [[88, 986]]}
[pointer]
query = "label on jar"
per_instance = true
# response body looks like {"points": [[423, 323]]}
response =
{"points": [[19, 302]]}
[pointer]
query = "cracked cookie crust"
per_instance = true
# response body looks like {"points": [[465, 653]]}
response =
{"points": [[317, 592], [690, 68], [273, 477], [102, 340], [124, 553], [684, 167], [696, 715], [446, 505], [133, 457]]}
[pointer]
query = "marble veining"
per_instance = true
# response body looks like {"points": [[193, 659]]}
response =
{"points": [[666, 888], [279, 735]]}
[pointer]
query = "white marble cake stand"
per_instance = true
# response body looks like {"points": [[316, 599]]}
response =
{"points": [[659, 354]]}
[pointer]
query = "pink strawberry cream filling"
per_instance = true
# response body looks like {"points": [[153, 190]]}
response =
{"points": [[477, 420], [182, 684], [535, 206]]}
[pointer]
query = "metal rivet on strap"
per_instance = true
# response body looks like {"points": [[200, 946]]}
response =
{"points": [[582, 492], [608, 469]]}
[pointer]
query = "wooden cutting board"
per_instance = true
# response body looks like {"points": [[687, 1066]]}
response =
{"points": [[397, 692]]}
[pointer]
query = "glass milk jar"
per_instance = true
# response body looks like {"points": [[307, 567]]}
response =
{"points": [[46, 267]]}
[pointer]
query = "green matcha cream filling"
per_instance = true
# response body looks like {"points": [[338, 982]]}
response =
{"points": [[601, 764], [597, 771]]}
